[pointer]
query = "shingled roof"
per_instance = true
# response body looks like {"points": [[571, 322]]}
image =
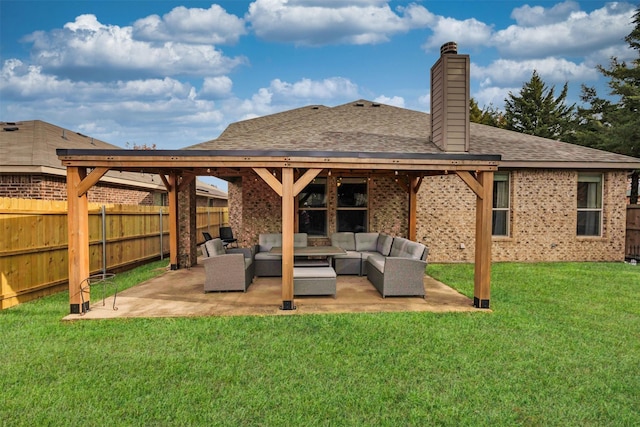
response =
{"points": [[30, 147], [366, 126]]}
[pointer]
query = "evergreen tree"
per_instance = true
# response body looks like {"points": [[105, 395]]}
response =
{"points": [[536, 111], [487, 116], [616, 126]]}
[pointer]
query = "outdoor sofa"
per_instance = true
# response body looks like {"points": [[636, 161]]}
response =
{"points": [[268, 264], [227, 270], [394, 265]]}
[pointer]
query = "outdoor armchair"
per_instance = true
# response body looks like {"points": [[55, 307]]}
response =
{"points": [[227, 270]]}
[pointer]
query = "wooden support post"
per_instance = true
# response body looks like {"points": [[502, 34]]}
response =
{"points": [[173, 220], [78, 231], [287, 238], [482, 274]]}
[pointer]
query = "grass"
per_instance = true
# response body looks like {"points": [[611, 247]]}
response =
{"points": [[561, 346]]}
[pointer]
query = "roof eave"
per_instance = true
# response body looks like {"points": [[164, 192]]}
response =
{"points": [[568, 165]]}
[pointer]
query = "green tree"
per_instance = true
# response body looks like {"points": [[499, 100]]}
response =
{"points": [[537, 111], [616, 126], [490, 115]]}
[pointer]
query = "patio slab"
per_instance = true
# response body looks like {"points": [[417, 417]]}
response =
{"points": [[179, 293]]}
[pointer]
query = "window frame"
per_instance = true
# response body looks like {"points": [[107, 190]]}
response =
{"points": [[495, 209], [586, 177], [365, 209]]}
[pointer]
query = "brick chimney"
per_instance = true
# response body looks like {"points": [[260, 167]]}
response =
{"points": [[450, 100]]}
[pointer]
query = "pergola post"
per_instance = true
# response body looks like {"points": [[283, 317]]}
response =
{"points": [[287, 238], [173, 220], [78, 235], [482, 274]]}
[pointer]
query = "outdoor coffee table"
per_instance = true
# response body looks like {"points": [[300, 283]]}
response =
{"points": [[311, 278]]}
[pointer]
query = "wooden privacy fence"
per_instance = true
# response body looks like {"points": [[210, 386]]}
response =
{"points": [[34, 245], [632, 245]]}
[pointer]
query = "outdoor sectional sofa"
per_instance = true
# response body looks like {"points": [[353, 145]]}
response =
{"points": [[227, 270], [268, 264], [394, 265]]}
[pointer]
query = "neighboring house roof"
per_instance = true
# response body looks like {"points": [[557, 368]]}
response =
{"points": [[29, 147], [366, 126], [211, 191]]}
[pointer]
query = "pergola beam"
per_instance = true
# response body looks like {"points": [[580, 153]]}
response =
{"points": [[90, 180], [271, 180]]}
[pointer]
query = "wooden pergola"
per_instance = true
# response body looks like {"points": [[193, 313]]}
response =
{"points": [[296, 169]]}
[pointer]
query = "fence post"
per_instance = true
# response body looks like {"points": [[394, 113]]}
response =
{"points": [[161, 235], [103, 211]]}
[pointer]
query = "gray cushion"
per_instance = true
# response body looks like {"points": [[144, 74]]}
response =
{"points": [[383, 245], [215, 247], [299, 240], [313, 272], [366, 255], [366, 241], [267, 255], [376, 260], [344, 240], [269, 240], [349, 255], [407, 249]]}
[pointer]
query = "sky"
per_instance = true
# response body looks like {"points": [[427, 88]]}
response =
{"points": [[177, 73]]}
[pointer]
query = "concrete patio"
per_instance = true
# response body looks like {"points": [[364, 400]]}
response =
{"points": [[179, 293]]}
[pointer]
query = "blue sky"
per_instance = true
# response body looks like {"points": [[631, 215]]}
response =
{"points": [[176, 73]]}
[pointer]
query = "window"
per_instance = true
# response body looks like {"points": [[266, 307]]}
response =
{"points": [[500, 214], [589, 204], [312, 208], [353, 201]]}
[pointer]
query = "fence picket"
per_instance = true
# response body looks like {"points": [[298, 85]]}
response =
{"points": [[33, 242]]}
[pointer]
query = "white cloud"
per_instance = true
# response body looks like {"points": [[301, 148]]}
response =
{"points": [[544, 33], [533, 16], [507, 73], [19, 81], [396, 101], [194, 25], [216, 87], [86, 49], [320, 23], [310, 89], [469, 33]]}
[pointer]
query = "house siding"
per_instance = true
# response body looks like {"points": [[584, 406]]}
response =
{"points": [[542, 217]]}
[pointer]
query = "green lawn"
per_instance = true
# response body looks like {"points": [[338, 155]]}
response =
{"points": [[560, 347]]}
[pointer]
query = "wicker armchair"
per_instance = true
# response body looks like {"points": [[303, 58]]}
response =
{"points": [[230, 270]]}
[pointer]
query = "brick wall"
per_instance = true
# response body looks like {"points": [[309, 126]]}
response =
{"points": [[53, 188], [187, 237], [255, 208], [446, 218], [388, 207], [542, 222]]}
